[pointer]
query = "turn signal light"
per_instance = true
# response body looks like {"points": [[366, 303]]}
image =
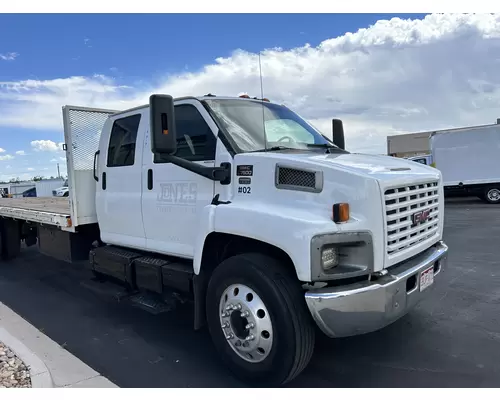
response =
{"points": [[340, 212]]}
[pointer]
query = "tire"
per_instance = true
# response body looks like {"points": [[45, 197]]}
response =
{"points": [[492, 194], [66, 194], [289, 343]]}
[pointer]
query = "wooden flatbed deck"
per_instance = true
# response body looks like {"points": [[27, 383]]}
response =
{"points": [[46, 210]]}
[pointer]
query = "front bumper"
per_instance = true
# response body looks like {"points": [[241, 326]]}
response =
{"points": [[371, 305]]}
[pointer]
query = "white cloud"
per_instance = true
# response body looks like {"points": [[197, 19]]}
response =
{"points": [[46, 145], [6, 157], [31, 169], [21, 153], [396, 76], [2, 150], [9, 56]]}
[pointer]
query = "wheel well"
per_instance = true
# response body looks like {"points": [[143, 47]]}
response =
{"points": [[220, 246]]}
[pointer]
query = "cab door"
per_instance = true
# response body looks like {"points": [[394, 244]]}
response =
{"points": [[173, 197], [119, 189]]}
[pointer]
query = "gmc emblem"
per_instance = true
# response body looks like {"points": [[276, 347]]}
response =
{"points": [[420, 217]]}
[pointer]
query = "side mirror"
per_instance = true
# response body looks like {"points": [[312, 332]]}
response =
{"points": [[162, 124], [338, 133]]}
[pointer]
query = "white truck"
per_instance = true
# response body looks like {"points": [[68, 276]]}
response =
{"points": [[468, 159], [241, 207]]}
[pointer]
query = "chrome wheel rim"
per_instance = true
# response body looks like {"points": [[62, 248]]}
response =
{"points": [[246, 323], [493, 194]]}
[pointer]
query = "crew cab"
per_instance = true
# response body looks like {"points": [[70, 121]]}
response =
{"points": [[242, 207]]}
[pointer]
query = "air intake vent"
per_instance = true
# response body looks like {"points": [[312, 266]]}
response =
{"points": [[298, 179]]}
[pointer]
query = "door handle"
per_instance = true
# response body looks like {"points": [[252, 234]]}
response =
{"points": [[104, 181], [150, 179], [96, 178]]}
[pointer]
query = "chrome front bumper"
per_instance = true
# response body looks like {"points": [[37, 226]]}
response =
{"points": [[368, 306]]}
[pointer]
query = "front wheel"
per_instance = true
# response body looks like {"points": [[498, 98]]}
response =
{"points": [[258, 319], [492, 195]]}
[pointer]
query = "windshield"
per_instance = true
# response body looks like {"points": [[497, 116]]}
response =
{"points": [[246, 121]]}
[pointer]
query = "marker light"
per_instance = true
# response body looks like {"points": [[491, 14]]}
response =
{"points": [[340, 212]]}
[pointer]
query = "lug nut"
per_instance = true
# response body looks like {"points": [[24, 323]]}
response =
{"points": [[238, 343], [229, 307], [225, 325], [245, 344], [251, 325], [250, 337], [238, 307], [225, 315], [230, 336], [245, 314]]}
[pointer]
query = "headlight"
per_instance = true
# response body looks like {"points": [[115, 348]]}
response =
{"points": [[341, 255], [329, 257]]}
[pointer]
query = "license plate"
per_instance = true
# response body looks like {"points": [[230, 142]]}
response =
{"points": [[426, 278]]}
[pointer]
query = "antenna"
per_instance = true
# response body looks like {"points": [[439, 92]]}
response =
{"points": [[262, 103]]}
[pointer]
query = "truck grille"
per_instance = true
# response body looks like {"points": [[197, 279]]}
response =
{"points": [[412, 214]]}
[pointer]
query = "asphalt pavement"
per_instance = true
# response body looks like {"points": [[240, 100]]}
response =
{"points": [[452, 339]]}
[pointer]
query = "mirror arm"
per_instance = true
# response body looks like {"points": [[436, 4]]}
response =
{"points": [[220, 174]]}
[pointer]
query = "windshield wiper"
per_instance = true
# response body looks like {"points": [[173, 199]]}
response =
{"points": [[326, 146], [275, 148]]}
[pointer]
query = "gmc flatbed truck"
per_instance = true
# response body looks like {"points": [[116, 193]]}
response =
{"points": [[240, 206]]}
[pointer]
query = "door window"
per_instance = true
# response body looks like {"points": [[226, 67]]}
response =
{"points": [[121, 150]]}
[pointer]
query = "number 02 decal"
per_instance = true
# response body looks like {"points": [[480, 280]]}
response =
{"points": [[244, 189]]}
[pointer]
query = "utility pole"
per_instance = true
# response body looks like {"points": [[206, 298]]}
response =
{"points": [[58, 172]]}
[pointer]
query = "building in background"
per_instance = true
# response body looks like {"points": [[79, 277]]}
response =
{"points": [[41, 188]]}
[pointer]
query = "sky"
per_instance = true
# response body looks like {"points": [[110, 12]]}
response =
{"points": [[381, 74]]}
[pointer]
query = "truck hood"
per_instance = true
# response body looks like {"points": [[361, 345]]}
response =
{"points": [[382, 168]]}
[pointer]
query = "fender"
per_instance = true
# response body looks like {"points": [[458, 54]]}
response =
{"points": [[267, 223]]}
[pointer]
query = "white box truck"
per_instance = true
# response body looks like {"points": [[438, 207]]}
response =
{"points": [[241, 207], [469, 160]]}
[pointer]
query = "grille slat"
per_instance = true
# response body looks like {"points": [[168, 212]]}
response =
{"points": [[410, 203], [407, 213], [412, 214], [403, 246]]}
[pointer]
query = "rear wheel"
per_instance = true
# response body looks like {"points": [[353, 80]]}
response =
{"points": [[258, 319], [492, 194]]}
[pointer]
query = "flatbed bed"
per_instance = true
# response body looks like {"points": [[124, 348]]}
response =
{"points": [[44, 210]]}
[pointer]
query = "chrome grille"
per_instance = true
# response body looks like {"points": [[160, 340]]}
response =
{"points": [[412, 214]]}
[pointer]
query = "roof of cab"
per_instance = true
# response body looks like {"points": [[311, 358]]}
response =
{"points": [[200, 98]]}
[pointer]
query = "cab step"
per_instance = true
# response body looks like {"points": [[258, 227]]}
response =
{"points": [[152, 303]]}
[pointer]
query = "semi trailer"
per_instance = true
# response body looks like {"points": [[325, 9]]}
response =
{"points": [[274, 232]]}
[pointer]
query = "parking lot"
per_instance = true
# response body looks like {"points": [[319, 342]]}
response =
{"points": [[452, 339]]}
